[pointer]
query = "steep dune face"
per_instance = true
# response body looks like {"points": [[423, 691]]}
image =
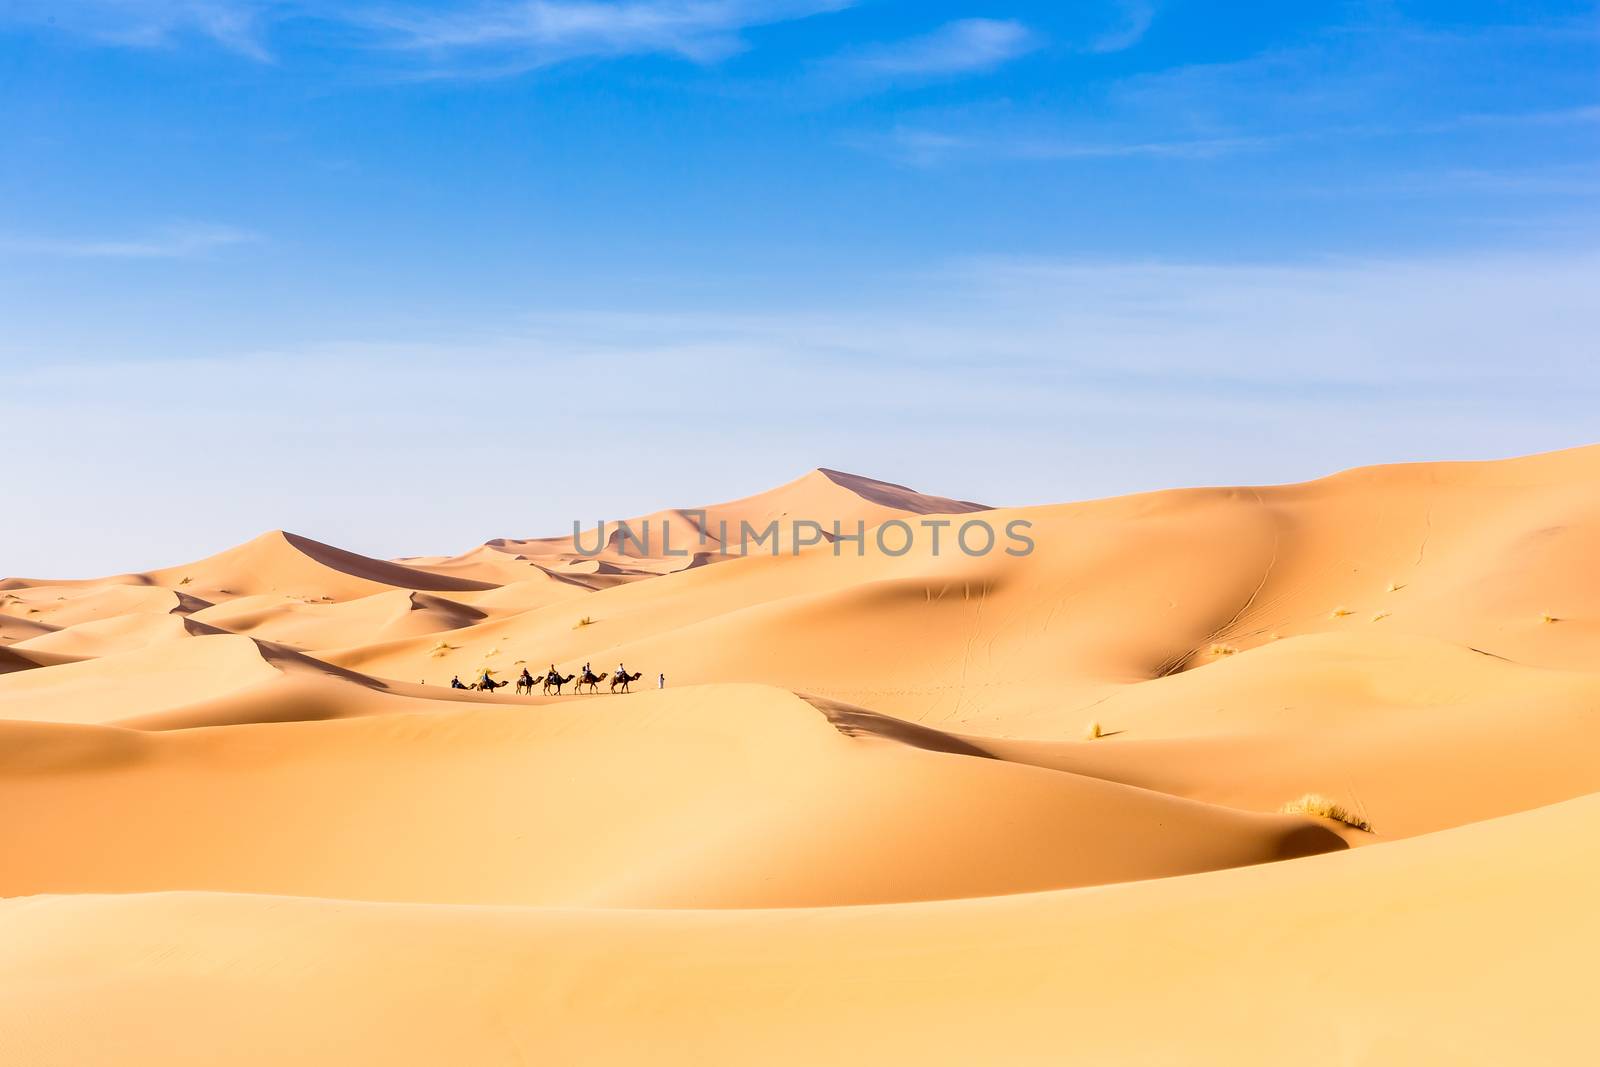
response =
{"points": [[11, 662], [279, 562]]}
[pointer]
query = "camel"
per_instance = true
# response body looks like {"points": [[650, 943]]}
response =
{"points": [[525, 683], [624, 679], [555, 681], [592, 680], [489, 685]]}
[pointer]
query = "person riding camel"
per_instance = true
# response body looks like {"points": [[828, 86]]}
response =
{"points": [[486, 682], [526, 679], [455, 682], [554, 674]]}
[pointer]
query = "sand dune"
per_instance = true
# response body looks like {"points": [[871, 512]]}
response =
{"points": [[379, 617], [727, 797], [120, 633], [13, 630], [482, 564], [665, 542], [1421, 952], [865, 820], [69, 605], [146, 680], [279, 562], [1117, 592], [206, 680]]}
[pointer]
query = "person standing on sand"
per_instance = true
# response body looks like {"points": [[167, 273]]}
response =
{"points": [[661, 680]]}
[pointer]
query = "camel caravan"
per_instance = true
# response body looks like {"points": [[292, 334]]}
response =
{"points": [[552, 681]]}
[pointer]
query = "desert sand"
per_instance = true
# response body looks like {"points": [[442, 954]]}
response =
{"points": [[927, 806]]}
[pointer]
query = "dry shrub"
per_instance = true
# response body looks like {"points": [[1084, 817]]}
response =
{"points": [[1321, 807]]}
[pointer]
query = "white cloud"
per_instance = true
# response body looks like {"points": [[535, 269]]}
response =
{"points": [[237, 25], [185, 241], [925, 147], [498, 37], [546, 31], [960, 47]]}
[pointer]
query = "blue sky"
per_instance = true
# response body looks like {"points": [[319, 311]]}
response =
{"points": [[406, 276]]}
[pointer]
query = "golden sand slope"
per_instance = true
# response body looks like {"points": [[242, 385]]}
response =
{"points": [[1472, 946], [864, 823], [732, 796]]}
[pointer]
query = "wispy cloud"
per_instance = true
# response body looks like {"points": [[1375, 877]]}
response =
{"points": [[238, 25], [508, 37], [469, 38], [186, 241], [930, 147], [1383, 75], [1584, 115], [1133, 22], [960, 47]]}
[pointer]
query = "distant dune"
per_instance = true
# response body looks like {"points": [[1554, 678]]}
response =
{"points": [[893, 806], [679, 539]]}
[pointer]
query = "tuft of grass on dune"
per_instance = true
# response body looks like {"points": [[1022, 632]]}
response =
{"points": [[1094, 732], [1323, 808]]}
